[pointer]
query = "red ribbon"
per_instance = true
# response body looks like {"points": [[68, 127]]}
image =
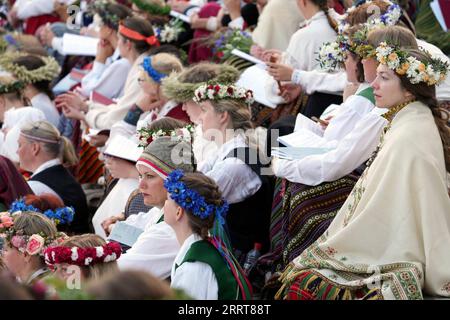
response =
{"points": [[152, 40]]}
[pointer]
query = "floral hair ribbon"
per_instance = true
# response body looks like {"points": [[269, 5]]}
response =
{"points": [[83, 256], [210, 91], [432, 72]]}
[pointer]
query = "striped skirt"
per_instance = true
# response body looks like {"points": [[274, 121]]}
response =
{"points": [[308, 211], [310, 285], [300, 215]]}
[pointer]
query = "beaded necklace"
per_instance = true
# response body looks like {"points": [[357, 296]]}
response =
{"points": [[389, 116]]}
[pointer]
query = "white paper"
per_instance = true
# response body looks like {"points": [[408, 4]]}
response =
{"points": [[122, 147], [125, 234], [180, 16], [246, 56], [79, 45], [303, 122], [257, 79], [297, 153], [303, 138], [438, 14]]}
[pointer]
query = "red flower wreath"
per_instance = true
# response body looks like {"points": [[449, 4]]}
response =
{"points": [[83, 256]]}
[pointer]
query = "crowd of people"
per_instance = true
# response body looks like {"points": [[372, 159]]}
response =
{"points": [[152, 171]]}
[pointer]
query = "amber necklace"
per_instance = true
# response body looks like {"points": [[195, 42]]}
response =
{"points": [[389, 116]]}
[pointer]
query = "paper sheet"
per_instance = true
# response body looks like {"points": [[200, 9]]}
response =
{"points": [[122, 147], [79, 45], [125, 234]]}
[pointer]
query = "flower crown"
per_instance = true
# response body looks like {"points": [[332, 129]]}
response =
{"points": [[155, 75], [432, 72], [47, 72], [191, 200], [101, 8], [32, 245], [83, 256], [146, 136], [11, 86], [331, 54], [222, 92], [60, 216]]}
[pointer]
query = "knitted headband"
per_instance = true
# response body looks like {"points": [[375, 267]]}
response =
{"points": [[161, 156]]}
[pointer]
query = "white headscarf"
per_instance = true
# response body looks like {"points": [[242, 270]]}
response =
{"points": [[15, 119]]}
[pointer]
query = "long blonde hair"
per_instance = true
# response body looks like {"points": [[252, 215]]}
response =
{"points": [[52, 141]]}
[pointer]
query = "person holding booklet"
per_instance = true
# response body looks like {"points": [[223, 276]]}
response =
{"points": [[402, 195], [180, 87], [236, 167], [316, 186]]}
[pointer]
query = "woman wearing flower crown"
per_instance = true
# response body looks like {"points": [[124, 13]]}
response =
{"points": [[36, 73], [194, 205], [93, 256], [390, 239], [236, 167], [27, 234], [315, 187]]}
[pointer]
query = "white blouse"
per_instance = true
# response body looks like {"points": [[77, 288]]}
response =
{"points": [[320, 81], [348, 153], [155, 249], [32, 8], [107, 78], [306, 42], [101, 116], [42, 102], [235, 179], [197, 279]]}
